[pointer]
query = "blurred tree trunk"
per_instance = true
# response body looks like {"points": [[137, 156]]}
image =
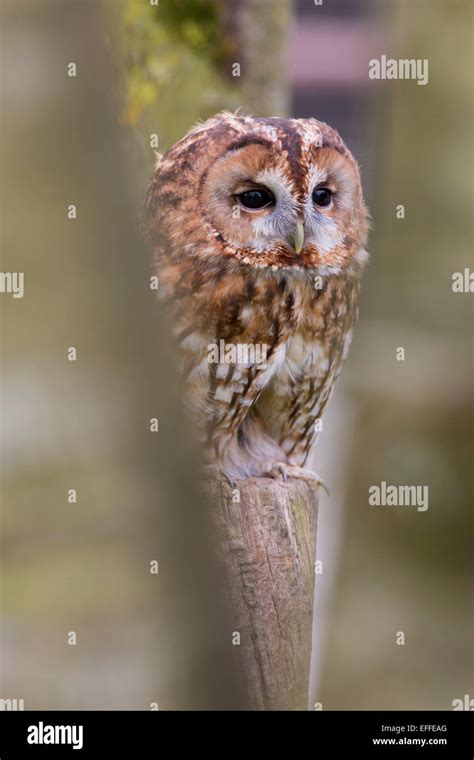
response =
{"points": [[86, 566], [260, 29]]}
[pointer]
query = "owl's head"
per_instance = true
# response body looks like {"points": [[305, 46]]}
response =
{"points": [[263, 193]]}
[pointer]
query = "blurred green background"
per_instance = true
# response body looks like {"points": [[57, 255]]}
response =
{"points": [[146, 70]]}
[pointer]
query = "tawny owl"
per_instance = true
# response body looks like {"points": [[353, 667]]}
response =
{"points": [[258, 230]]}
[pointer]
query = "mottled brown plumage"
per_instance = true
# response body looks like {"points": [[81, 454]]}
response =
{"points": [[263, 317]]}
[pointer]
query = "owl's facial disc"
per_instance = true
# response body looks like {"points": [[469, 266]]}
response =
{"points": [[265, 209]]}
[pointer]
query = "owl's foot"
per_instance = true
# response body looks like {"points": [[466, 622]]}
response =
{"points": [[214, 472], [283, 471]]}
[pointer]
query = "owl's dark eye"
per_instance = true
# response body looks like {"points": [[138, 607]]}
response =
{"points": [[322, 196], [258, 198]]}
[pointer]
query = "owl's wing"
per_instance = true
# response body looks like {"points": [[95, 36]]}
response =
{"points": [[223, 382], [290, 409], [292, 405]]}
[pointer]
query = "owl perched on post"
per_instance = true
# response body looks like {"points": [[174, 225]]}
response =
{"points": [[258, 230]]}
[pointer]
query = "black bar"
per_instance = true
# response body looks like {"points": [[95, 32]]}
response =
{"points": [[159, 734]]}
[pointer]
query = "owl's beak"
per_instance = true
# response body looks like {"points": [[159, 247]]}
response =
{"points": [[297, 237]]}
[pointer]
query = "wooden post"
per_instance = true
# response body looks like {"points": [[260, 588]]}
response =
{"points": [[266, 533]]}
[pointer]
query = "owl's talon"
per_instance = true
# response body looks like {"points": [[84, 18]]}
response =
{"points": [[283, 471], [321, 483]]}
